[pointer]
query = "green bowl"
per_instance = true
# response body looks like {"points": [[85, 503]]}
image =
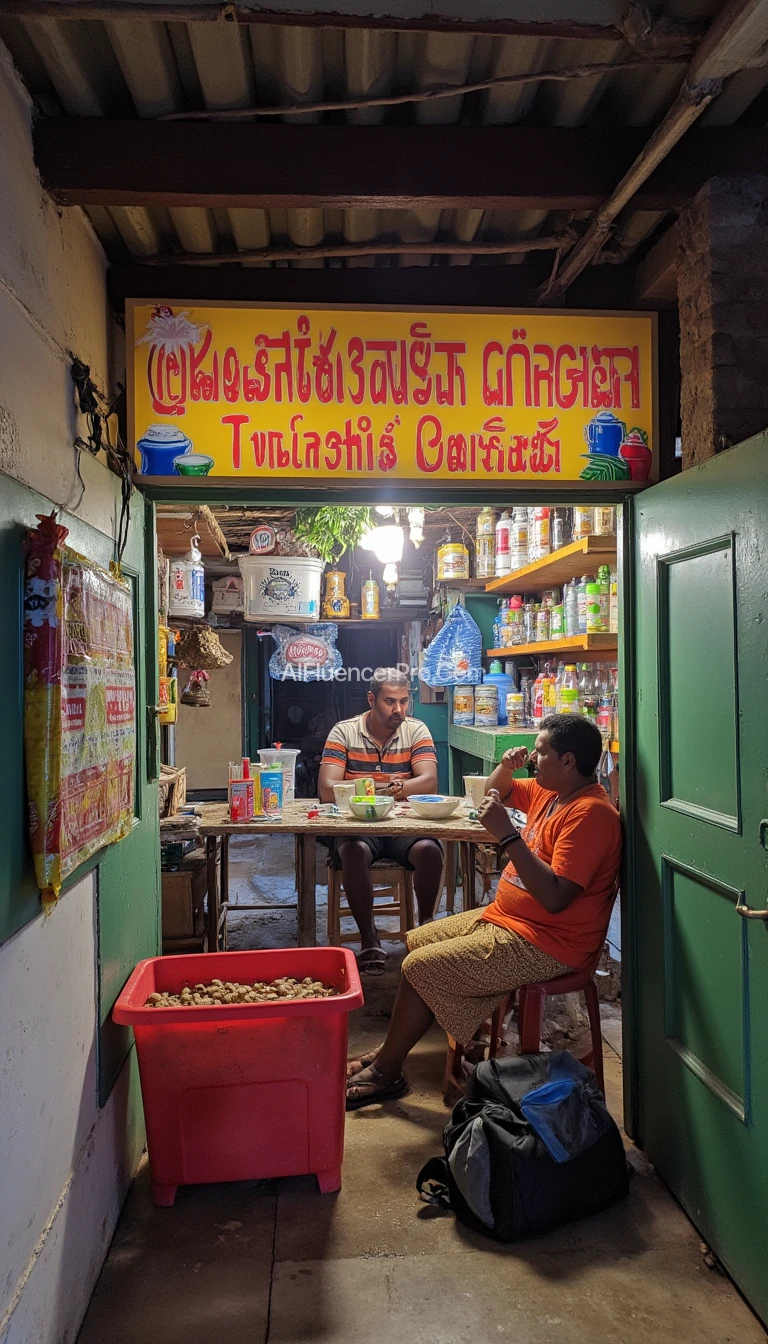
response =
{"points": [[193, 464]]}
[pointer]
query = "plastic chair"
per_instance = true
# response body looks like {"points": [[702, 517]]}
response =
{"points": [[392, 895], [530, 1016]]}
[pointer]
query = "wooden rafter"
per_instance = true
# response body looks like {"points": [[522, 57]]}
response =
{"points": [[736, 40], [96, 161]]}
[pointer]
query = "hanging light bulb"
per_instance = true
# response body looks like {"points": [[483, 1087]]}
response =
{"points": [[390, 577], [386, 544], [385, 510], [416, 525]]}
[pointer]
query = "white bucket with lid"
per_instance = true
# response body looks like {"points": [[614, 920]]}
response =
{"points": [[280, 586]]}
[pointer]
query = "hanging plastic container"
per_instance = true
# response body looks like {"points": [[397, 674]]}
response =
{"points": [[281, 585], [187, 596]]}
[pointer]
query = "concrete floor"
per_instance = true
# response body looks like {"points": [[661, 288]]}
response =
{"points": [[277, 1263]]}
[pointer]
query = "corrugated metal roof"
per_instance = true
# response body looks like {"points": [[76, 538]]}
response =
{"points": [[126, 68]]}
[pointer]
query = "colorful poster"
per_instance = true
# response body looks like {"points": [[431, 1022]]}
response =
{"points": [[346, 393], [79, 707]]}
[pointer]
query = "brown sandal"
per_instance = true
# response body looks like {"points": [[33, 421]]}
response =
{"points": [[362, 1062], [373, 1090]]}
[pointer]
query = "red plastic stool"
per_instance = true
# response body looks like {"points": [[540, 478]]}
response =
{"points": [[530, 1015]]}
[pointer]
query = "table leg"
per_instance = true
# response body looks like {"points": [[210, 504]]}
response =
{"points": [[306, 892], [211, 850], [224, 880], [450, 877], [467, 862]]}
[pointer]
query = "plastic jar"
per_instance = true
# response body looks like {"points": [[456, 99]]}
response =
{"points": [[464, 706], [487, 706]]}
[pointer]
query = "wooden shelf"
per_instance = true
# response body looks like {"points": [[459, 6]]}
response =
{"points": [[464, 585], [558, 568], [596, 646]]}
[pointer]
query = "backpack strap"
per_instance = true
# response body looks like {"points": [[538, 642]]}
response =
{"points": [[432, 1183]]}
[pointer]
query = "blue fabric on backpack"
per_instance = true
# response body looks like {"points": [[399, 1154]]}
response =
{"points": [[560, 1113]]}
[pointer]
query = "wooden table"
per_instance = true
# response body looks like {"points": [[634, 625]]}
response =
{"points": [[216, 829]]}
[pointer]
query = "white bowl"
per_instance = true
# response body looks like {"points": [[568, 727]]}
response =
{"points": [[433, 806], [371, 809]]}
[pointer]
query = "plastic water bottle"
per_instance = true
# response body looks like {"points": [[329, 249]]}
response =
{"points": [[581, 598], [568, 699], [571, 610]]}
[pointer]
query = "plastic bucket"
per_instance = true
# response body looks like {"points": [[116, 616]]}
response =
{"points": [[285, 757], [280, 586], [243, 1092]]}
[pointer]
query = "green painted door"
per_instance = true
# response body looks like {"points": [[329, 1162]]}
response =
{"points": [[700, 796]]}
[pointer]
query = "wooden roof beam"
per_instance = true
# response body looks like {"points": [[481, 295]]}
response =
{"points": [[656, 277], [736, 40], [587, 21], [95, 161]]}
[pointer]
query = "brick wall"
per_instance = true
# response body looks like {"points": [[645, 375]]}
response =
{"points": [[723, 299]]}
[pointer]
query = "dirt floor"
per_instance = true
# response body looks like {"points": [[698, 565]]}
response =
{"points": [[275, 1262]]}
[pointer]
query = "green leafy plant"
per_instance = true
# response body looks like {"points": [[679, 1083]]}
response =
{"points": [[333, 529]]}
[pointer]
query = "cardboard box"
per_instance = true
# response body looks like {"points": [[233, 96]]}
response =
{"points": [[183, 897], [172, 789]]}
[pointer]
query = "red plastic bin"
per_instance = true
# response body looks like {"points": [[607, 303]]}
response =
{"points": [[246, 1091]]}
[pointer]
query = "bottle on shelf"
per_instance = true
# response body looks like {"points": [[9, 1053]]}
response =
{"points": [[543, 614], [533, 553], [529, 623], [572, 610], [526, 682], [605, 520], [613, 603], [581, 598], [537, 697], [589, 692], [568, 696], [557, 621], [541, 533], [560, 529], [550, 695], [604, 585], [516, 619], [518, 539], [485, 544], [502, 562], [594, 614], [369, 599], [583, 523]]}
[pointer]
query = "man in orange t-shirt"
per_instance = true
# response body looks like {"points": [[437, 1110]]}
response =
{"points": [[550, 915]]}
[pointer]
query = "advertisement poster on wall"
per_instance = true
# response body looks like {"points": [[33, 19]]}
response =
{"points": [[243, 391]]}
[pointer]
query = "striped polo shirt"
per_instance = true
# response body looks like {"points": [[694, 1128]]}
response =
{"points": [[350, 745]]}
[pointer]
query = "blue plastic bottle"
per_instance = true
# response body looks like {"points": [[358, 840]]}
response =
{"points": [[505, 683]]}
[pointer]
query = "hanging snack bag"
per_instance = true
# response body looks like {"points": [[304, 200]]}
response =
{"points": [[309, 654]]}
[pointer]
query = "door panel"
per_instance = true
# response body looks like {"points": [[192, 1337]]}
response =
{"points": [[129, 873], [700, 792]]}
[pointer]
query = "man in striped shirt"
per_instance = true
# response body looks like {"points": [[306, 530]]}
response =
{"points": [[398, 753]]}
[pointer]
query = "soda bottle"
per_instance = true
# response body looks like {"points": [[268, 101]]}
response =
{"points": [[568, 700], [502, 545], [604, 583]]}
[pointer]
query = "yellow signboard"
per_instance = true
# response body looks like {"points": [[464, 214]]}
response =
{"points": [[346, 393]]}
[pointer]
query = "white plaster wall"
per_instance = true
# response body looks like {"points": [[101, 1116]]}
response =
{"points": [[64, 1164]]}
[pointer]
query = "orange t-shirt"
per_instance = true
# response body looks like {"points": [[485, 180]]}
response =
{"points": [[582, 843]]}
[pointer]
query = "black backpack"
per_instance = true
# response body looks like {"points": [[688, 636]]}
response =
{"points": [[530, 1146]]}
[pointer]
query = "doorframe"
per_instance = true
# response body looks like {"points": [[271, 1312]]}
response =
{"points": [[253, 492]]}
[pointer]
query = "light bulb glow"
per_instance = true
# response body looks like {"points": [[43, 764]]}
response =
{"points": [[386, 544], [390, 575]]}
